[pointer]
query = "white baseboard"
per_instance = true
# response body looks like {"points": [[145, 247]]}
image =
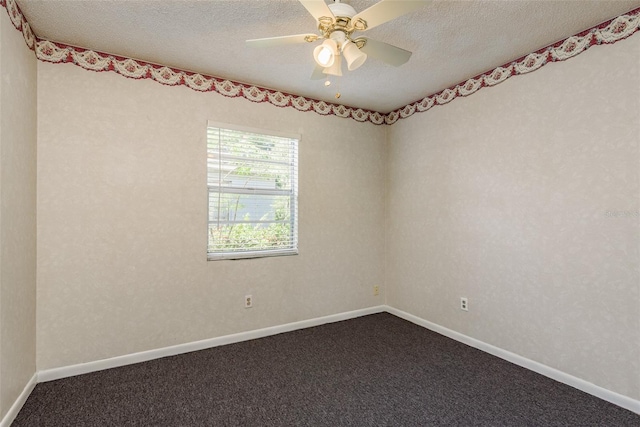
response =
{"points": [[83, 368], [114, 362], [602, 393], [17, 405]]}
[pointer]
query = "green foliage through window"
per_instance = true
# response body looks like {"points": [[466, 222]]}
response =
{"points": [[252, 181]]}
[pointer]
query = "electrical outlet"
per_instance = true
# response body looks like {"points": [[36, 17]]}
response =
{"points": [[248, 301], [464, 304], [376, 290]]}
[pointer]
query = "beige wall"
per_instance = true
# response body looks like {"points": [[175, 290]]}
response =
{"points": [[17, 214], [122, 203], [502, 198]]}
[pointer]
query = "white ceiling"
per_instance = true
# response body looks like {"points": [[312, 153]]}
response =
{"points": [[451, 40]]}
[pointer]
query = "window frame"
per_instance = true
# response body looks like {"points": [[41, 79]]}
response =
{"points": [[261, 253]]}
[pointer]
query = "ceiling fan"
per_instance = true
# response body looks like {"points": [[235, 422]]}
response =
{"points": [[337, 23]]}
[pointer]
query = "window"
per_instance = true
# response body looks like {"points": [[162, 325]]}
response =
{"points": [[252, 178]]}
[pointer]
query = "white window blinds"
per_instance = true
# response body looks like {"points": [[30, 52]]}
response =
{"points": [[252, 178]]}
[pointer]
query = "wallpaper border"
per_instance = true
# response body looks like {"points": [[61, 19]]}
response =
{"points": [[608, 32], [48, 51]]}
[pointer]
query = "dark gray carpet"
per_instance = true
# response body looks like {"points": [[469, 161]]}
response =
{"points": [[376, 370]]}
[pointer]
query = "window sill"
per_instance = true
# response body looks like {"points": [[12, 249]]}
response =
{"points": [[250, 255]]}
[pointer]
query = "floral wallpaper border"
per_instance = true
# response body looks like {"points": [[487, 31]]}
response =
{"points": [[606, 33]]}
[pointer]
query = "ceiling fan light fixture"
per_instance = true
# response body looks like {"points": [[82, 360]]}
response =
{"points": [[354, 56], [326, 53], [336, 68]]}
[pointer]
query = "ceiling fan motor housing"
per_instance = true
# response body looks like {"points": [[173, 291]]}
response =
{"points": [[341, 21], [342, 9]]}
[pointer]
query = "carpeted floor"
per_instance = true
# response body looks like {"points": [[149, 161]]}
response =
{"points": [[377, 370]]}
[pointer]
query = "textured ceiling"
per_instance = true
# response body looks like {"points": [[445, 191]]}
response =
{"points": [[451, 41]]}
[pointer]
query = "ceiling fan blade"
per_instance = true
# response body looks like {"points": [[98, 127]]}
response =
{"points": [[385, 52], [282, 40], [317, 8], [386, 10], [318, 73]]}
